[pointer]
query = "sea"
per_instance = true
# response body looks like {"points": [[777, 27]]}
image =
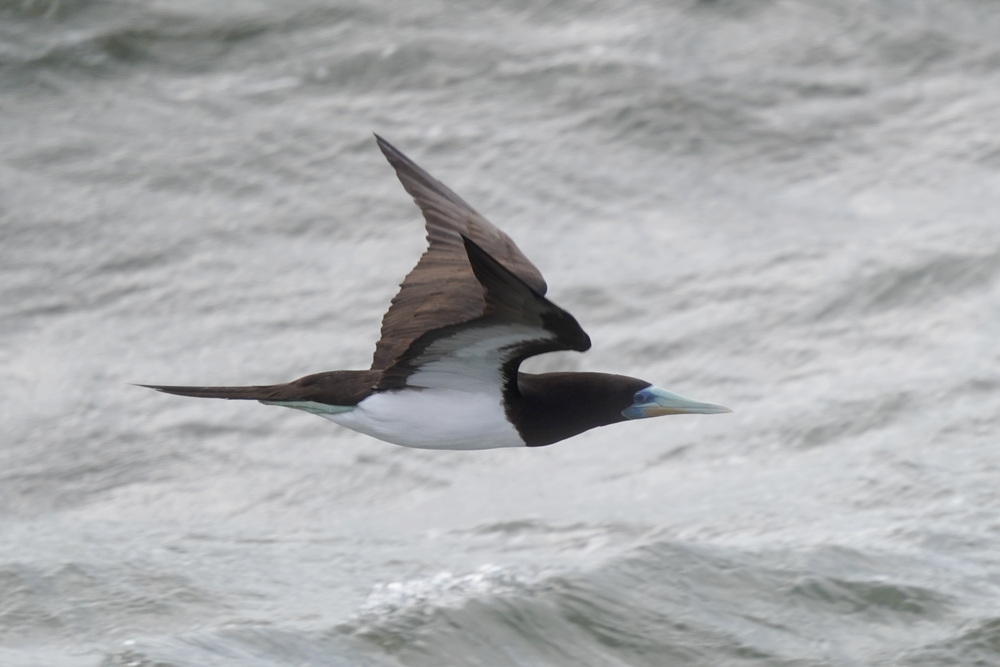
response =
{"points": [[790, 207]]}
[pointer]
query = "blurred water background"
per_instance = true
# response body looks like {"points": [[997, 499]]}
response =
{"points": [[789, 207]]}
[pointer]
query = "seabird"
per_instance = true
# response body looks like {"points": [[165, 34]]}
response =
{"points": [[445, 371]]}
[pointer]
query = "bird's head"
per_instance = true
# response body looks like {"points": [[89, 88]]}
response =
{"points": [[554, 406]]}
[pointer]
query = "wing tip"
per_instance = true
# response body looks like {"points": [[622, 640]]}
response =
{"points": [[497, 279], [485, 264], [391, 153]]}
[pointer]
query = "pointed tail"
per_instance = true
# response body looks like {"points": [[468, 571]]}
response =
{"points": [[332, 388], [261, 393]]}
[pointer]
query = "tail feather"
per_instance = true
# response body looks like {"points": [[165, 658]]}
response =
{"points": [[333, 388], [260, 393]]}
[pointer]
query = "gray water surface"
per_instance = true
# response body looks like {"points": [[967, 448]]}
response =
{"points": [[786, 207]]}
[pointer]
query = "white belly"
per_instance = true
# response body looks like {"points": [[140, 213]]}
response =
{"points": [[433, 419]]}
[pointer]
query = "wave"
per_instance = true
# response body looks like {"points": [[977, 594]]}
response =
{"points": [[100, 36], [664, 603]]}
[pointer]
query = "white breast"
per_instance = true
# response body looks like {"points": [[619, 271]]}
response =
{"points": [[433, 419]]}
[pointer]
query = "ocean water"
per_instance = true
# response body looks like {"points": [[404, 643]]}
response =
{"points": [[788, 207]]}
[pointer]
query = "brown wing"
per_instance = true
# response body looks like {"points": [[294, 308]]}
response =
{"points": [[484, 353], [442, 289]]}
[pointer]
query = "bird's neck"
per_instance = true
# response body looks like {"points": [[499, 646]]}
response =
{"points": [[551, 407]]}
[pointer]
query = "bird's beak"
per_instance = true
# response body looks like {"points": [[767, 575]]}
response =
{"points": [[656, 402]]}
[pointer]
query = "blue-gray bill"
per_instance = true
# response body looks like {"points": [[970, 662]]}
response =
{"points": [[657, 402]]}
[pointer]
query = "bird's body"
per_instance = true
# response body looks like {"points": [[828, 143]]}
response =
{"points": [[433, 419], [445, 370]]}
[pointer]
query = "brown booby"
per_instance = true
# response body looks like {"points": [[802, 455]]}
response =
{"points": [[445, 371]]}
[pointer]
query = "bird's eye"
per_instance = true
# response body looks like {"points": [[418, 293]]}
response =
{"points": [[641, 397]]}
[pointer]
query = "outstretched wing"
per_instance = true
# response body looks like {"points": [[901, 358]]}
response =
{"points": [[442, 289], [482, 354]]}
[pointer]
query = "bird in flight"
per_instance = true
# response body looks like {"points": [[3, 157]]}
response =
{"points": [[445, 374]]}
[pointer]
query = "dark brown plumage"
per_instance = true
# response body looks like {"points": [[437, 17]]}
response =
{"points": [[445, 370], [442, 288]]}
